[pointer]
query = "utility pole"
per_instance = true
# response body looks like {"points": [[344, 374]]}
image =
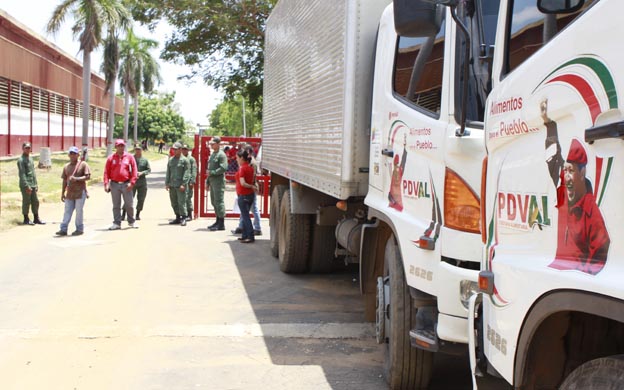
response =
{"points": [[244, 122]]}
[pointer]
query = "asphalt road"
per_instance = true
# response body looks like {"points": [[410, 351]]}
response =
{"points": [[171, 307]]}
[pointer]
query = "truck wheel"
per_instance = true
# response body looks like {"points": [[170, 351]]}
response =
{"points": [[405, 367], [322, 249], [276, 198], [294, 238], [599, 374]]}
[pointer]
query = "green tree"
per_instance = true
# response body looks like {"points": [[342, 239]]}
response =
{"points": [[110, 68], [91, 17], [160, 118], [138, 71], [221, 40], [227, 118]]}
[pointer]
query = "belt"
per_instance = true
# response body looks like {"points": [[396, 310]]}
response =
{"points": [[121, 182]]}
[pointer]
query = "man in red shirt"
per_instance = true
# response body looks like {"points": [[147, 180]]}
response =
{"points": [[120, 174], [583, 241]]}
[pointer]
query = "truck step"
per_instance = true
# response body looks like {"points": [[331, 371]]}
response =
{"points": [[424, 339]]}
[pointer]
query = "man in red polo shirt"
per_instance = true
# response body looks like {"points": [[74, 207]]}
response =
{"points": [[120, 174]]}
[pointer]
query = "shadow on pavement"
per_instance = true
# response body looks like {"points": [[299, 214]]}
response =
{"points": [[348, 363]]}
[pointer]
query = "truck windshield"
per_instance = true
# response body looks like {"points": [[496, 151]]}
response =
{"points": [[480, 17]]}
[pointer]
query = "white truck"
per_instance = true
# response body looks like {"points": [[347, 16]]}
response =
{"points": [[369, 163], [377, 120]]}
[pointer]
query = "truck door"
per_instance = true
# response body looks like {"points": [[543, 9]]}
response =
{"points": [[552, 210], [408, 127]]}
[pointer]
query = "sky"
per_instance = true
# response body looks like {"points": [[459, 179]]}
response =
{"points": [[196, 101]]}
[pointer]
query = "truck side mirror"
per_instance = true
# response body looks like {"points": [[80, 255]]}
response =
{"points": [[416, 18], [559, 6]]}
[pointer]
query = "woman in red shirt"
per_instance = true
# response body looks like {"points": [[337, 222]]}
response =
{"points": [[245, 189]]}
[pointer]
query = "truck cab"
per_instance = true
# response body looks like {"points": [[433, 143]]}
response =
{"points": [[549, 314], [424, 246]]}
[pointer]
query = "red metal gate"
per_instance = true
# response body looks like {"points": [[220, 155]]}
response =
{"points": [[201, 152]]}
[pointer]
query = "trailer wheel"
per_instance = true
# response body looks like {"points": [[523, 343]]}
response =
{"points": [[405, 367], [599, 374], [294, 238], [276, 198], [322, 249]]}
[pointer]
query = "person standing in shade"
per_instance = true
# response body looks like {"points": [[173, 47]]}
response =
{"points": [[74, 192], [28, 185], [120, 176], [254, 208], [246, 191], [140, 188], [191, 186], [217, 166], [176, 182]]}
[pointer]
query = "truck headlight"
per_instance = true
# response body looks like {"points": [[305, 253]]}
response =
{"points": [[466, 289]]}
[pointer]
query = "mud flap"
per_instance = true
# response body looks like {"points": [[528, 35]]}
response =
{"points": [[473, 303]]}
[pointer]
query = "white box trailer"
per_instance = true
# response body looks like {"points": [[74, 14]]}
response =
{"points": [[319, 58]]}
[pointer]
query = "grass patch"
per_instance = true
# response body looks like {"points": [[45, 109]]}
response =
{"points": [[49, 181]]}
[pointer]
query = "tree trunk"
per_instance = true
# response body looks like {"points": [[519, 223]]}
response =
{"points": [[86, 96], [126, 115], [136, 118], [111, 119]]}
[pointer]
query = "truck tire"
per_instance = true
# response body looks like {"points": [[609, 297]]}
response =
{"points": [[322, 248], [598, 374], [276, 198], [405, 367], [294, 238]]}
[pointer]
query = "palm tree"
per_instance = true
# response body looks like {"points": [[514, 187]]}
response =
{"points": [[110, 68], [91, 18], [138, 71]]}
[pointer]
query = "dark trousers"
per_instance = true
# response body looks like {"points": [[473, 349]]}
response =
{"points": [[244, 204], [140, 192], [30, 201]]}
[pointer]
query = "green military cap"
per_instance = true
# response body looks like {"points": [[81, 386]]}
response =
{"points": [[185, 146], [138, 146], [215, 140], [26, 145], [177, 145]]}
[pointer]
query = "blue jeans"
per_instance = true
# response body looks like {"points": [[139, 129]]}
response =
{"points": [[244, 203], [256, 214], [70, 206]]}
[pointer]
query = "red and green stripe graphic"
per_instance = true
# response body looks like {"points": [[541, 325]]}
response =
{"points": [[590, 94]]}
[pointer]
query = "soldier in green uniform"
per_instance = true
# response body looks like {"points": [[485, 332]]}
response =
{"points": [[140, 187], [28, 185], [176, 182], [217, 166], [191, 186]]}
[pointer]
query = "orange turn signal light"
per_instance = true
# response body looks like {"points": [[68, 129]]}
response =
{"points": [[341, 205], [486, 282], [462, 208]]}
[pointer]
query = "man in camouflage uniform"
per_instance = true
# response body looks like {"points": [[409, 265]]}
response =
{"points": [[28, 185], [176, 182], [140, 187], [217, 166], [191, 186]]}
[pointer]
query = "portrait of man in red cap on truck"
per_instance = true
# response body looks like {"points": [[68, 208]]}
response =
{"points": [[582, 237]]}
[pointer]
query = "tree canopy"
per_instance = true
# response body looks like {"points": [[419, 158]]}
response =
{"points": [[221, 40], [227, 118], [160, 118]]}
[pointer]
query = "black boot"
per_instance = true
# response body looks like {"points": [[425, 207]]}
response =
{"points": [[27, 220], [176, 221], [189, 216], [38, 221], [183, 220], [214, 225], [220, 225], [137, 216]]}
